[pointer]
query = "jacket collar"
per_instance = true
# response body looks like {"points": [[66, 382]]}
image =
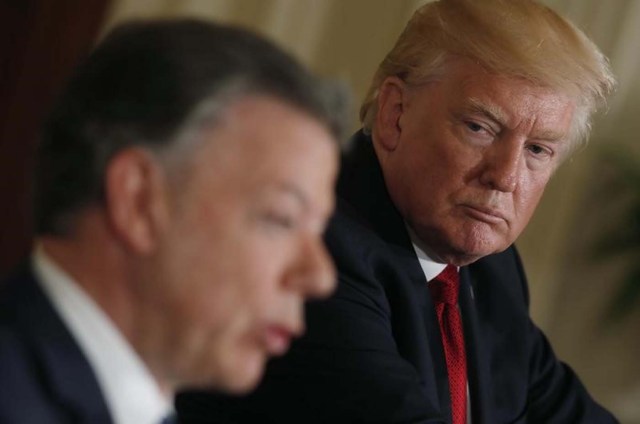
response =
{"points": [[65, 371]]}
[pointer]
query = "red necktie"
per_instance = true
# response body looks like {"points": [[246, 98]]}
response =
{"points": [[444, 292]]}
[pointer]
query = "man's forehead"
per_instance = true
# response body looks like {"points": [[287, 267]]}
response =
{"points": [[471, 76], [551, 121], [509, 100]]}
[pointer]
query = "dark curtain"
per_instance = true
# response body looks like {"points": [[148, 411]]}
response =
{"points": [[40, 43]]}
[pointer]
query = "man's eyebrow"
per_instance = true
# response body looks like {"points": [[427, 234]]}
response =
{"points": [[291, 189], [306, 203], [496, 114], [550, 135], [491, 111]]}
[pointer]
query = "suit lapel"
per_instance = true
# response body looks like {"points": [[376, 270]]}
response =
{"points": [[362, 191], [65, 369], [479, 376]]}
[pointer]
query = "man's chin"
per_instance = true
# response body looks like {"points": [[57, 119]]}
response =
{"points": [[242, 378], [468, 251], [460, 259], [461, 242]]}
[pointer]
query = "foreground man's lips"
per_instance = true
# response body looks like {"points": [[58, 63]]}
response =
{"points": [[277, 339]]}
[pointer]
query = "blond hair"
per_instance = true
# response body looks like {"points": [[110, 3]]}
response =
{"points": [[519, 38]]}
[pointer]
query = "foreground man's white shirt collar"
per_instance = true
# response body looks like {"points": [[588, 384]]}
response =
{"points": [[131, 393]]}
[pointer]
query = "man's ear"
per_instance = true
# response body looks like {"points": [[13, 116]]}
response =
{"points": [[136, 199], [391, 98]]}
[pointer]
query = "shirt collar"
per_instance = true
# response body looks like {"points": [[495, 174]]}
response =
{"points": [[130, 391], [430, 267]]}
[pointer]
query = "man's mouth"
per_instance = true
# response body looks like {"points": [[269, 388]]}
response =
{"points": [[485, 214]]}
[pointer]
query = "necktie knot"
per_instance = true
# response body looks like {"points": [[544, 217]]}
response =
{"points": [[444, 288]]}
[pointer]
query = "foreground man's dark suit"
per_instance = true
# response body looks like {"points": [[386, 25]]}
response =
{"points": [[44, 377], [373, 352]]}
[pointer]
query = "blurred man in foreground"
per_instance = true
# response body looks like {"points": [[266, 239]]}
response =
{"points": [[466, 120], [183, 185]]}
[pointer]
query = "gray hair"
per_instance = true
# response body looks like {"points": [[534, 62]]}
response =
{"points": [[156, 84]]}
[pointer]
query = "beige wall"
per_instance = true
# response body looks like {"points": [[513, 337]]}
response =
{"points": [[569, 290]]}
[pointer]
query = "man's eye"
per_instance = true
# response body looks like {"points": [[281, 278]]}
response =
{"points": [[537, 150], [280, 220], [474, 127]]}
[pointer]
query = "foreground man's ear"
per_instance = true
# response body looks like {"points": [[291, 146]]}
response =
{"points": [[136, 199], [391, 99]]}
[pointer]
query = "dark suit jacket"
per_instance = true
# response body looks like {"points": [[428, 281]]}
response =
{"points": [[373, 352], [44, 377]]}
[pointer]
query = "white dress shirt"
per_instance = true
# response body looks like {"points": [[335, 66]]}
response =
{"points": [[131, 393]]}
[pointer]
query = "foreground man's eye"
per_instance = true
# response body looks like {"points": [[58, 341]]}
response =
{"points": [[280, 220]]}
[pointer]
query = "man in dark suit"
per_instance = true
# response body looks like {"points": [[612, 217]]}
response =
{"points": [[466, 120], [183, 184]]}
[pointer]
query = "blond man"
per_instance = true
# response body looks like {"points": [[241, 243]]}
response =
{"points": [[467, 118]]}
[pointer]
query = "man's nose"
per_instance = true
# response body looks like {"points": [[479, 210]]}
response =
{"points": [[502, 165], [314, 274]]}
